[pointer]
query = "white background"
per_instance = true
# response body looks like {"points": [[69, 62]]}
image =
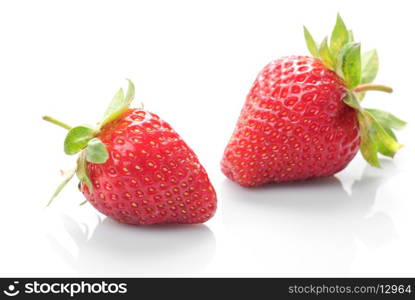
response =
{"points": [[193, 63]]}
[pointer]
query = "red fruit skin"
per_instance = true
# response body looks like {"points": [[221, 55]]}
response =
{"points": [[293, 126], [151, 176]]}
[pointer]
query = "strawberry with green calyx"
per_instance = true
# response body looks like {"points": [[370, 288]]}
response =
{"points": [[358, 71], [303, 116], [135, 168]]}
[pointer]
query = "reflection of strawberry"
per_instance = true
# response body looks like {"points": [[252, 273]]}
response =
{"points": [[136, 169], [303, 118], [321, 227], [163, 250]]}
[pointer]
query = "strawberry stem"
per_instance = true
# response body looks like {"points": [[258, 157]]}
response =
{"points": [[57, 122], [372, 87]]}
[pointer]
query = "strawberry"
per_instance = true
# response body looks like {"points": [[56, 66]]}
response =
{"points": [[134, 168], [303, 116]]}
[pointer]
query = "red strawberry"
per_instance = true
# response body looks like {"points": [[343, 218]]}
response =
{"points": [[136, 169], [303, 118]]}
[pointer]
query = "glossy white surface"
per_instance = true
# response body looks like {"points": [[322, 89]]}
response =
{"points": [[193, 63]]}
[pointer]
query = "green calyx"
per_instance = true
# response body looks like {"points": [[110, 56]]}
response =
{"points": [[358, 71], [83, 139]]}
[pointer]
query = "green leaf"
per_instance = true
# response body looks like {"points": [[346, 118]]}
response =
{"points": [[386, 144], [352, 101], [116, 108], [339, 36], [77, 139], [351, 65], [387, 120], [129, 97], [67, 177], [351, 36], [325, 55], [311, 44], [376, 135], [83, 203], [367, 147], [388, 123], [384, 150], [119, 104], [391, 133], [96, 151], [374, 139], [370, 66], [82, 171]]}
